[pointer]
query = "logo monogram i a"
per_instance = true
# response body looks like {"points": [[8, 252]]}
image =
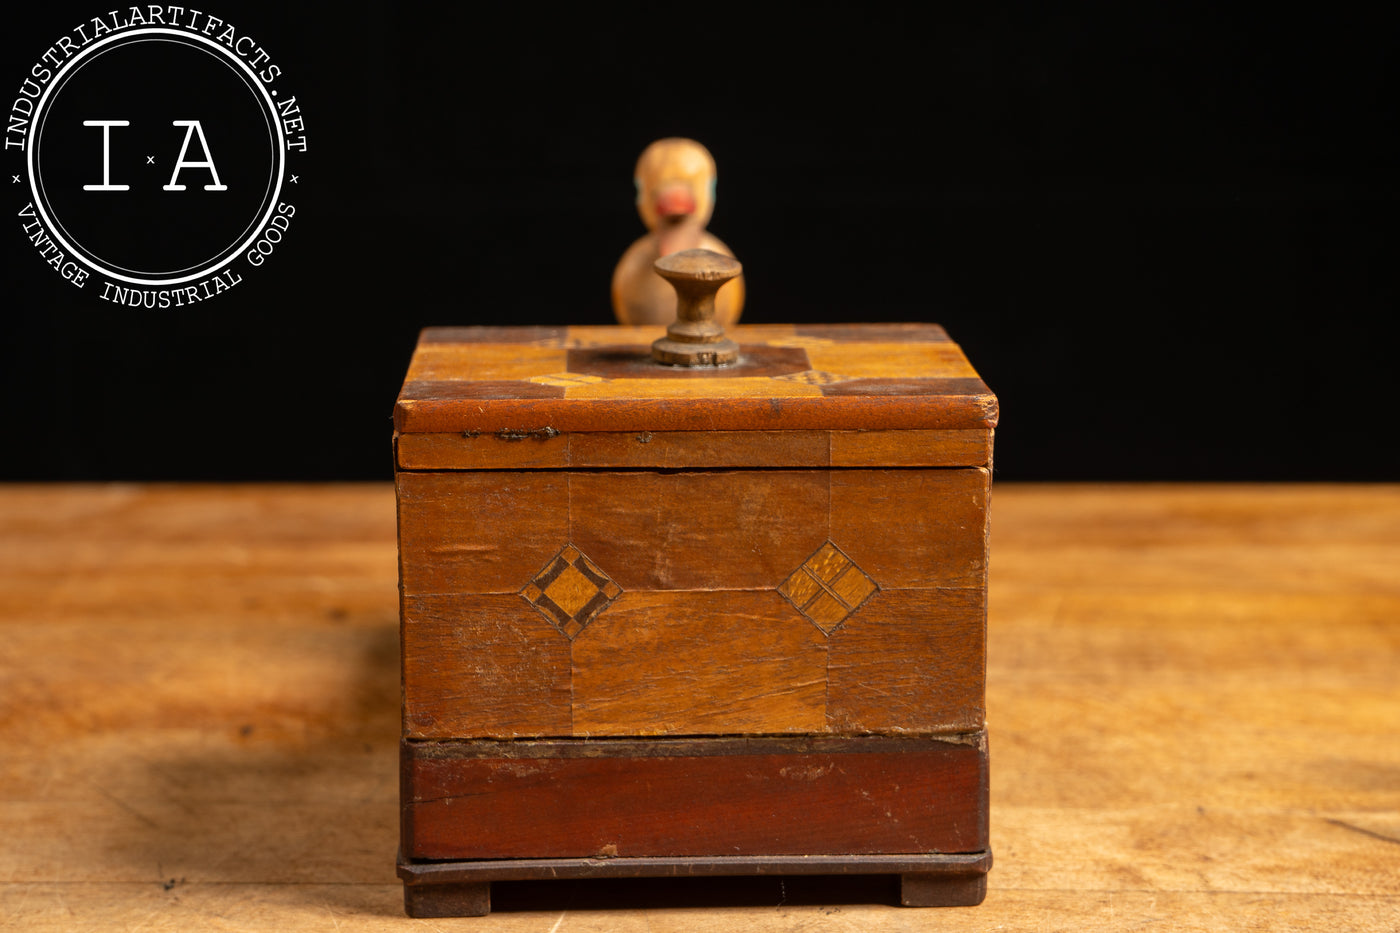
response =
{"points": [[158, 159], [193, 129]]}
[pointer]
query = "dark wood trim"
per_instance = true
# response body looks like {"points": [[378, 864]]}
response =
{"points": [[547, 869], [624, 362], [463, 888], [685, 747]]}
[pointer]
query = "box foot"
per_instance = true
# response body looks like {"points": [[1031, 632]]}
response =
{"points": [[928, 890], [461, 899]]}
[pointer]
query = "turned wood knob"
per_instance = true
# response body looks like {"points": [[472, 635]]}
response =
{"points": [[696, 339]]}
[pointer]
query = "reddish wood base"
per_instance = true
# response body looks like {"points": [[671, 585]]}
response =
{"points": [[693, 798], [476, 812], [463, 888]]}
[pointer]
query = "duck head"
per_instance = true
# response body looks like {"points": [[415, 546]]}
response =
{"points": [[676, 192]]}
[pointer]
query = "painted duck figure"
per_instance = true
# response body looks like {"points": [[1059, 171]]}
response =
{"points": [[675, 196]]}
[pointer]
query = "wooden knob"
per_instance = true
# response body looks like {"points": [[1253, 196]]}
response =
{"points": [[696, 339]]}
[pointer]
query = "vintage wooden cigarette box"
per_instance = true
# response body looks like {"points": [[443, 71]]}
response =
{"points": [[668, 621]]}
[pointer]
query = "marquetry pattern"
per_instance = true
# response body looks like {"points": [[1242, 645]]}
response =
{"points": [[828, 587], [814, 377], [795, 601], [796, 341], [466, 366], [567, 379], [570, 591]]}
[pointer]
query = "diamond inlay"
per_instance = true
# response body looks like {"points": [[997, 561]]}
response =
{"points": [[570, 591], [828, 587]]}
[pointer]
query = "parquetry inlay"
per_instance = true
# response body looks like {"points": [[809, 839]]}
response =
{"points": [[567, 379], [828, 587], [814, 377], [570, 591]]}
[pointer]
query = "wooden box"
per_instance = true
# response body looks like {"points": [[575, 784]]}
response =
{"points": [[662, 621]]}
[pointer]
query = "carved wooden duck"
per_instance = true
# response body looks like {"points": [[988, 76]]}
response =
{"points": [[675, 196]]}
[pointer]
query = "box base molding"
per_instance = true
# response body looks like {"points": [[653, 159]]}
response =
{"points": [[463, 888], [693, 797]]}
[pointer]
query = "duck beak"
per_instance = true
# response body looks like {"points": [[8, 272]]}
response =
{"points": [[674, 200]]}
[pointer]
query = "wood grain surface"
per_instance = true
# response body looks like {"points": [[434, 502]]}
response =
{"points": [[694, 449], [603, 379], [495, 637], [1193, 703], [721, 662], [693, 602], [915, 662]]}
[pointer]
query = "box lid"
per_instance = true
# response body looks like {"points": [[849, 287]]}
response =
{"points": [[538, 383]]}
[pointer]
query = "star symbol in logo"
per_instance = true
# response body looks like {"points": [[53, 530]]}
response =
{"points": [[294, 179], [16, 179], [150, 160]]}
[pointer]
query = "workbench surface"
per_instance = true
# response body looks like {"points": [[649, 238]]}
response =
{"points": [[1193, 702]]}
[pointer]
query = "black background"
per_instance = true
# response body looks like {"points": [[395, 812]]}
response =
{"points": [[1166, 240]]}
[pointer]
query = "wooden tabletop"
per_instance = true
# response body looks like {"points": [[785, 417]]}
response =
{"points": [[1193, 695]]}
